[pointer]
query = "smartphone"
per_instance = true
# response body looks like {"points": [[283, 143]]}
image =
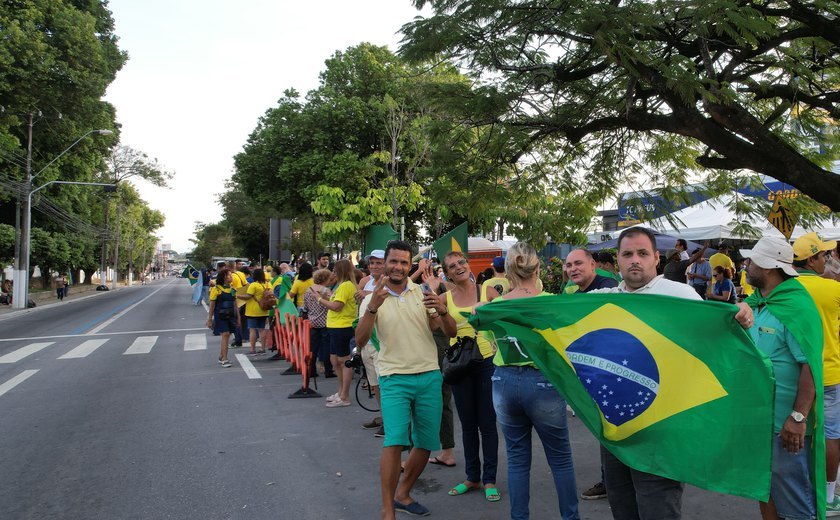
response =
{"points": [[427, 290]]}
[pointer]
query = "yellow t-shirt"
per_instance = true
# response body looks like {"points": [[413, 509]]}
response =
{"points": [[464, 328], [300, 288], [215, 291], [346, 293], [746, 288], [238, 281], [252, 305], [496, 282], [826, 295], [406, 344], [720, 259]]}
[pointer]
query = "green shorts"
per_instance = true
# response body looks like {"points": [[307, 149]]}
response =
{"points": [[413, 400]]}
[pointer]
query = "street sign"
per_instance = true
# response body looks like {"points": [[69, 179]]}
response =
{"points": [[782, 217]]}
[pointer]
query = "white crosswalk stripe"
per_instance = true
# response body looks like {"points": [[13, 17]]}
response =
{"points": [[195, 342], [85, 349], [18, 379], [28, 350], [142, 345]]}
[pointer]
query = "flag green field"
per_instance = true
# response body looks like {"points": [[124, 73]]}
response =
{"points": [[670, 386], [455, 240], [377, 236], [191, 273]]}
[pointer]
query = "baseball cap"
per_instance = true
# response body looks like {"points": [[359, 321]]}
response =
{"points": [[499, 263], [377, 253], [808, 245], [770, 253]]}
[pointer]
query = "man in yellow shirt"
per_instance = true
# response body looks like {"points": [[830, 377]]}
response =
{"points": [[239, 283], [721, 258], [409, 374], [810, 255], [498, 282]]}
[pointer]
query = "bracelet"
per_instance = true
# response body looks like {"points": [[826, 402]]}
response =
{"points": [[443, 313], [372, 311]]}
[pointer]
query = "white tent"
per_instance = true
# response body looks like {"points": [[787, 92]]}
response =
{"points": [[712, 220]]}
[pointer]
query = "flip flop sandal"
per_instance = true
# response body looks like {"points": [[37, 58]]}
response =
{"points": [[492, 494], [438, 462], [460, 489]]}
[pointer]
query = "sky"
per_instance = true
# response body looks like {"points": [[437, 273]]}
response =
{"points": [[201, 73]]}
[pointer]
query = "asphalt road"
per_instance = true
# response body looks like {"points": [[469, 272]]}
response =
{"points": [[113, 406]]}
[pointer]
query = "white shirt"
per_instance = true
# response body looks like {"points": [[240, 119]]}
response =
{"points": [[659, 285], [684, 255]]}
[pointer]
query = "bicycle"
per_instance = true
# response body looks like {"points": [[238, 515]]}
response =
{"points": [[355, 362]]}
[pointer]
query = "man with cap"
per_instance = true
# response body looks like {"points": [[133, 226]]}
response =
{"points": [[675, 268], [498, 281], [809, 260], [369, 352], [788, 330]]}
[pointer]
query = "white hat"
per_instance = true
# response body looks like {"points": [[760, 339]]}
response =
{"points": [[770, 253], [377, 253]]}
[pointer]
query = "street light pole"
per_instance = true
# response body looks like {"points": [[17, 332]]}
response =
{"points": [[21, 288]]}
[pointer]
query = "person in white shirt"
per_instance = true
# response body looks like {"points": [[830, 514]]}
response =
{"points": [[635, 494]]}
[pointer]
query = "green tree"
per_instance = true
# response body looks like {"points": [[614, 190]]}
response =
{"points": [[650, 90]]}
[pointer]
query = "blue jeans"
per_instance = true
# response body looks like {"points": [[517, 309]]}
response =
{"points": [[525, 400], [474, 401]]}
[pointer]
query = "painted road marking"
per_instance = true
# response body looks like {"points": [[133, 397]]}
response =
{"points": [[18, 379], [195, 342], [142, 345], [17, 355], [85, 349], [129, 332], [123, 313], [246, 365]]}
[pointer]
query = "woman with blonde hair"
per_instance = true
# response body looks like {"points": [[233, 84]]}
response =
{"points": [[341, 313], [319, 339], [525, 400]]}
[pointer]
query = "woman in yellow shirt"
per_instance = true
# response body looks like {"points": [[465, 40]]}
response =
{"points": [[303, 282], [474, 393], [341, 313], [256, 317]]}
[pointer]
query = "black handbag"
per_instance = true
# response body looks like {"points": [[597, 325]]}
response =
{"points": [[460, 359]]}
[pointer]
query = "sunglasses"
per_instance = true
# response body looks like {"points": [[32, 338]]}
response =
{"points": [[462, 261]]}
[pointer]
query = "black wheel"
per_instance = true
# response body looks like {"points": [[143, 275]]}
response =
{"points": [[365, 397]]}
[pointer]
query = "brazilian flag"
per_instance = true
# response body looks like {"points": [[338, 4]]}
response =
{"points": [[192, 274], [670, 386], [455, 240]]}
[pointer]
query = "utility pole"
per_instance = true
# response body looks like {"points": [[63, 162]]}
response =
{"points": [[117, 250], [21, 278]]}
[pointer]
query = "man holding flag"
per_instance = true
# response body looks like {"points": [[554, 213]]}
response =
{"points": [[788, 329], [634, 494]]}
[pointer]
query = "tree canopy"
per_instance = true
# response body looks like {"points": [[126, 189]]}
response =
{"points": [[652, 90]]}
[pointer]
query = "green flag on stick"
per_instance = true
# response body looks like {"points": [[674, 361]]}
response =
{"points": [[670, 386], [191, 273], [455, 240], [377, 236]]}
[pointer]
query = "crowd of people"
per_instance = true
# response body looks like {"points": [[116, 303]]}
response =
{"points": [[401, 316]]}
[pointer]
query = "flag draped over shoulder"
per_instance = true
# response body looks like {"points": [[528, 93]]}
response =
{"points": [[791, 304], [670, 386], [282, 285], [455, 240]]}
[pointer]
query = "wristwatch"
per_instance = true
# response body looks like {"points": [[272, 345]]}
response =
{"points": [[797, 417]]}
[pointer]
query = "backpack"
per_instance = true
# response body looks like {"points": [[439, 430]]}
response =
{"points": [[268, 300]]}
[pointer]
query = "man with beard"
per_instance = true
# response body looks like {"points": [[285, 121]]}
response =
{"points": [[409, 375], [789, 331], [634, 494]]}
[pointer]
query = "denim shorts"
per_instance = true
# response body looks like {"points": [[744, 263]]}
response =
{"points": [[831, 403], [790, 484], [340, 341], [415, 400], [221, 326], [257, 323]]}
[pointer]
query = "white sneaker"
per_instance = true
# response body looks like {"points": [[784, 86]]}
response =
{"points": [[333, 397]]}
